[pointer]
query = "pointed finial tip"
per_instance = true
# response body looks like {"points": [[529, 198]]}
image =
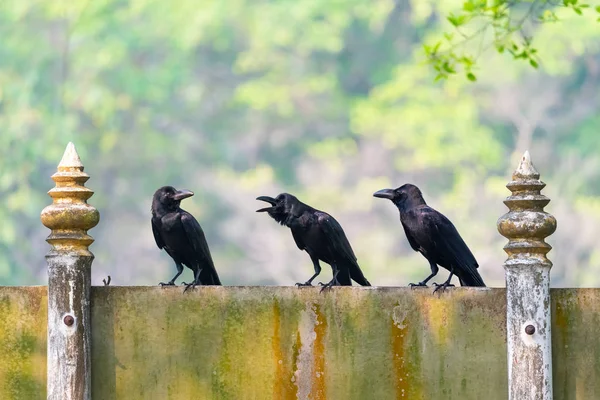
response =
{"points": [[526, 168], [70, 157]]}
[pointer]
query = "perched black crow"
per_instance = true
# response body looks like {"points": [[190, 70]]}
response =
{"points": [[320, 235], [433, 235], [178, 232]]}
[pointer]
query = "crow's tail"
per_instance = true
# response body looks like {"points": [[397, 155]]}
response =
{"points": [[470, 278], [357, 275]]}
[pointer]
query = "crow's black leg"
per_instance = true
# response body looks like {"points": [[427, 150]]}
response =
{"points": [[446, 284], [434, 271], [317, 267], [333, 281], [195, 282], [172, 281]]}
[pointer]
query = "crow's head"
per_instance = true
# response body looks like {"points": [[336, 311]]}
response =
{"points": [[282, 207], [167, 199], [404, 197]]}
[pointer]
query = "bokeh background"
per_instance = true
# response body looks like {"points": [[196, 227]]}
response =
{"points": [[326, 99]]}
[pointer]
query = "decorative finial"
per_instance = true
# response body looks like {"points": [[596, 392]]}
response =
{"points": [[70, 216], [70, 158], [526, 225]]}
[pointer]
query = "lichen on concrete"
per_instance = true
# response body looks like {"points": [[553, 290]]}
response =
{"points": [[247, 343], [575, 344], [290, 343], [23, 313]]}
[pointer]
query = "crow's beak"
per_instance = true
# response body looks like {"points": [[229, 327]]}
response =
{"points": [[385, 194], [182, 194], [269, 200]]}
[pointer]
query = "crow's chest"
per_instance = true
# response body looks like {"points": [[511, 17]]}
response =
{"points": [[311, 233], [172, 232]]}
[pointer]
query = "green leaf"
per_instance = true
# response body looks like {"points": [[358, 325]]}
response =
{"points": [[457, 20], [548, 16], [577, 10], [533, 63], [452, 19], [448, 68], [471, 77], [440, 77], [468, 6], [598, 9], [500, 48], [467, 61]]}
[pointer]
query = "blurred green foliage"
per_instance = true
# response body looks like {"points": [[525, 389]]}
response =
{"points": [[507, 25], [330, 100]]}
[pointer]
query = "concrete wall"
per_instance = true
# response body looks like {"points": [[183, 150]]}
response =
{"points": [[576, 343], [288, 343], [23, 319]]}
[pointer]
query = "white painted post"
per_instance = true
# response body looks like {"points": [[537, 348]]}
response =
{"points": [[69, 269], [526, 226]]}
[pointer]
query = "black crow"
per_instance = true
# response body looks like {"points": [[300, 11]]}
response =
{"points": [[434, 236], [178, 232], [320, 235]]}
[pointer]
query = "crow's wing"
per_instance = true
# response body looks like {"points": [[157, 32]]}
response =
{"points": [[198, 242], [340, 247], [437, 238], [298, 238], [336, 238], [157, 238]]}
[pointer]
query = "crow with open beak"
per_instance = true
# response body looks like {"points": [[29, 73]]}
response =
{"points": [[320, 235]]}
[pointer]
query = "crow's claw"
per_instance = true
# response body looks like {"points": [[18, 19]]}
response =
{"points": [[445, 285], [170, 283], [188, 286], [420, 284], [327, 285], [303, 284], [442, 287], [324, 287]]}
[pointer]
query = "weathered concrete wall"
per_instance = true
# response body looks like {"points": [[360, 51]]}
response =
{"points": [[287, 343], [23, 319], [576, 343]]}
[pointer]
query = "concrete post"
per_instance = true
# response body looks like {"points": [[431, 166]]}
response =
{"points": [[69, 267], [526, 226]]}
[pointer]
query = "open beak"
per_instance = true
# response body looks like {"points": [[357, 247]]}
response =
{"points": [[385, 194], [182, 194], [269, 200]]}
